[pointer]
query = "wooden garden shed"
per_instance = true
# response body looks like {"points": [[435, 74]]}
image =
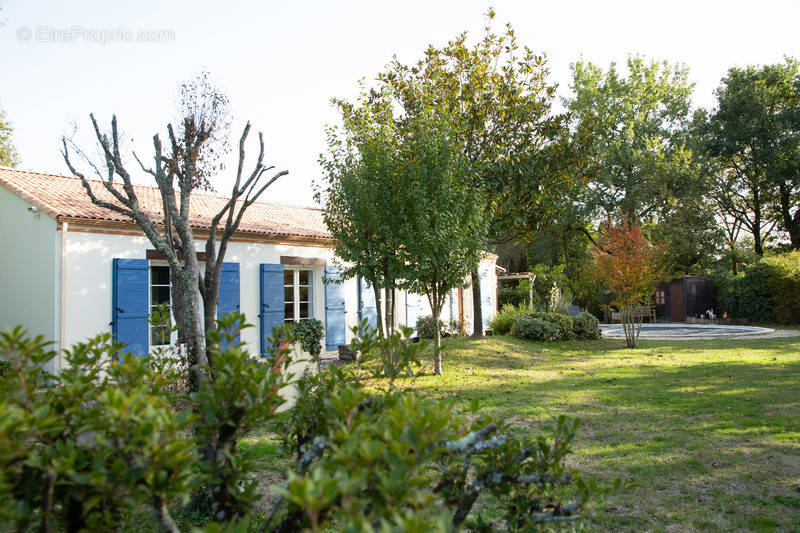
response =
{"points": [[685, 296]]}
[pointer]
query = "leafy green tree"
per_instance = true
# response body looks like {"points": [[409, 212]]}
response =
{"points": [[753, 139], [400, 200], [498, 100], [360, 192], [646, 173], [8, 153], [442, 220]]}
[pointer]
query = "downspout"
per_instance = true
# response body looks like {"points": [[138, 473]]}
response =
{"points": [[62, 315]]}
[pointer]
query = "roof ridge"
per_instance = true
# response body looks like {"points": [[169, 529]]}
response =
{"points": [[153, 187]]}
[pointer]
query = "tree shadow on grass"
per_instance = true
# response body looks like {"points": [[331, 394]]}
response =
{"points": [[715, 445]]}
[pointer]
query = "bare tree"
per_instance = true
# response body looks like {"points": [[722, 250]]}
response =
{"points": [[192, 157]]}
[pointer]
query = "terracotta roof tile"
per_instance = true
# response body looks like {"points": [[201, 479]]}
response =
{"points": [[64, 196]]}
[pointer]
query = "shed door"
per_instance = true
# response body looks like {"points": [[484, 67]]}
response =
{"points": [[676, 302]]}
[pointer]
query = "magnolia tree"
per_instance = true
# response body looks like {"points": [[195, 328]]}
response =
{"points": [[498, 102], [631, 268]]}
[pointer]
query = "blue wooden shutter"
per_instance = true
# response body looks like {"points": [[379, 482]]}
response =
{"points": [[413, 308], [130, 304], [334, 309], [367, 309], [228, 301], [486, 299], [271, 305]]}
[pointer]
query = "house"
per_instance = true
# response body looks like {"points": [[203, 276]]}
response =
{"points": [[72, 270], [687, 296]]}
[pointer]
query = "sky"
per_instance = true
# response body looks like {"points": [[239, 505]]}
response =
{"points": [[280, 63]]}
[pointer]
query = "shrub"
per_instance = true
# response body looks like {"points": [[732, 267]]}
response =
{"points": [[111, 435], [746, 296], [783, 279], [586, 326], [564, 323], [82, 450], [512, 296], [426, 327], [528, 330], [535, 329], [309, 333], [501, 323]]}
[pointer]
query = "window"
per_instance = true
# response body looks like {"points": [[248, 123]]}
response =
{"points": [[298, 294], [160, 295], [661, 297]]}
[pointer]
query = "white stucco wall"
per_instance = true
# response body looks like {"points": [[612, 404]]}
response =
{"points": [[28, 263], [89, 275], [89, 280]]}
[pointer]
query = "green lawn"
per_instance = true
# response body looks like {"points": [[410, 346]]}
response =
{"points": [[709, 429]]}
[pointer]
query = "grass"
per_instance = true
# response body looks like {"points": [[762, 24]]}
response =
{"points": [[709, 429]]}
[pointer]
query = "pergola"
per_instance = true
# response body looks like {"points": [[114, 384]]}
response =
{"points": [[521, 275]]}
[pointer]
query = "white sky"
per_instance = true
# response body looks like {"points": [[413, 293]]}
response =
{"points": [[281, 62]]}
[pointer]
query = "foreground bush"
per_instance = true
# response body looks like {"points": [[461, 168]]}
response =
{"points": [[585, 326], [109, 436], [394, 460], [82, 450], [501, 323]]}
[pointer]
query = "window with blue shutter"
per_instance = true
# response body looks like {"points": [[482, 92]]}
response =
{"points": [[271, 313], [335, 328], [367, 309], [228, 301], [130, 304]]}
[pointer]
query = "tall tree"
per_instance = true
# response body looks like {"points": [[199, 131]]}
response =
{"points": [[8, 152], [498, 99], [753, 136], [360, 193], [185, 165], [646, 172], [442, 217]]}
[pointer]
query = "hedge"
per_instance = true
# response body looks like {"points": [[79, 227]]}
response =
{"points": [[766, 291]]}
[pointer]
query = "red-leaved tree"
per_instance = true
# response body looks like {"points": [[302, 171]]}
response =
{"points": [[630, 267]]}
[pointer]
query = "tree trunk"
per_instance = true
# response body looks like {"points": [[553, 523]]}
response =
{"points": [[190, 325], [389, 309], [378, 310], [477, 311], [758, 246], [437, 340]]}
